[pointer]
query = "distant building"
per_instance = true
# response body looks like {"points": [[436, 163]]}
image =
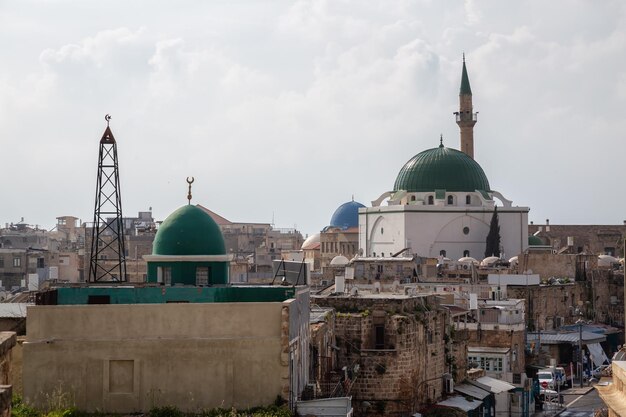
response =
{"points": [[589, 239], [258, 244]]}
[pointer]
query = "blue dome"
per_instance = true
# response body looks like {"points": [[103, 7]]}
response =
{"points": [[346, 215]]}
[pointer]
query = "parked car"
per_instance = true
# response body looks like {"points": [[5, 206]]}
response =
{"points": [[600, 371]]}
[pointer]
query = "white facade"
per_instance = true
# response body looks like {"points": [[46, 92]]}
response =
{"points": [[459, 228]]}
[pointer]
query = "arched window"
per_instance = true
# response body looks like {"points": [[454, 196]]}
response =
{"points": [[450, 200], [466, 253], [412, 198], [468, 199], [431, 200], [442, 253]]}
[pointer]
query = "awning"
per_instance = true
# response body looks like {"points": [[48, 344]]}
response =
{"points": [[597, 354], [495, 386], [461, 403], [472, 390]]}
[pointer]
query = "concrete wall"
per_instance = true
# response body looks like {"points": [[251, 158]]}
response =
{"points": [[125, 358]]}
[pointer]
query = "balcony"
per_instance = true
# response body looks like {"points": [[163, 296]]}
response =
{"points": [[466, 116]]}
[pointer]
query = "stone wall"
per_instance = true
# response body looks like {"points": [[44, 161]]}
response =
{"points": [[399, 346], [595, 239], [549, 306]]}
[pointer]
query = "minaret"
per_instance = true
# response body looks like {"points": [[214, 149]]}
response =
{"points": [[465, 117]]}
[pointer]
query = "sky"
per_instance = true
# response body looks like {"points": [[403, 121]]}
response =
{"points": [[283, 110]]}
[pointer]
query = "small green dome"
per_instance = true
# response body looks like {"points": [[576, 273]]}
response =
{"points": [[441, 169], [189, 231], [535, 241]]}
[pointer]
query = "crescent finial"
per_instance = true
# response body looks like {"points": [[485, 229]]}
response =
{"points": [[189, 181]]}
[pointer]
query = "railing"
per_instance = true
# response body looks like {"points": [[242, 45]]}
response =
{"points": [[466, 116]]}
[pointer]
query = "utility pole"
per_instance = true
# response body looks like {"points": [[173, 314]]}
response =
{"points": [[580, 349]]}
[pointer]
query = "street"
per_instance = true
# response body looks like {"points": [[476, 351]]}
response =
{"points": [[577, 403]]}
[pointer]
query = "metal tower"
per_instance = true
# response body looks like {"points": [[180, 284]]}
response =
{"points": [[108, 254]]}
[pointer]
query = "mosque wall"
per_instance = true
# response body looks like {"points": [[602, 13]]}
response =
{"points": [[388, 229], [125, 358]]}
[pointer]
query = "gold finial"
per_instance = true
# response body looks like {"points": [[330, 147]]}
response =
{"points": [[189, 181]]}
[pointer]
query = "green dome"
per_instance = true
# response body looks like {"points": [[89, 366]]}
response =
{"points": [[441, 169], [189, 231], [535, 241]]}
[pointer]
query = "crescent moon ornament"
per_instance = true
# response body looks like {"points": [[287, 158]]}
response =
{"points": [[189, 181], [107, 117]]}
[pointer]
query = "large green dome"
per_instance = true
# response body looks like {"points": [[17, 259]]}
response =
{"points": [[189, 231], [441, 169]]}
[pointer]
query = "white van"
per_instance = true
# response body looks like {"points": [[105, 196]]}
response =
{"points": [[546, 378]]}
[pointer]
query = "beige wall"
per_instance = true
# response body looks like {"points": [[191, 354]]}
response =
{"points": [[133, 357]]}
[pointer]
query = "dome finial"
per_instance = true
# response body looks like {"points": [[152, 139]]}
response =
{"points": [[189, 181], [352, 197], [464, 57], [441, 140]]}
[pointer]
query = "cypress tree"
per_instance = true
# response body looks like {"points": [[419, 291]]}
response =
{"points": [[493, 238]]}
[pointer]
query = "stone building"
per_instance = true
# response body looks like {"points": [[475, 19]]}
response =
{"points": [[592, 239], [399, 345]]}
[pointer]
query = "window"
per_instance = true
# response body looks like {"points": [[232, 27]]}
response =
{"points": [[379, 342], [164, 275], [468, 199], [17, 262], [412, 198], [466, 253], [1, 262], [450, 199], [442, 253], [202, 275], [382, 230], [40, 263], [466, 230], [431, 200], [379, 268], [609, 251], [486, 363]]}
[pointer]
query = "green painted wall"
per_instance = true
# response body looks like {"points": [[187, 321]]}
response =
{"points": [[185, 272], [165, 294]]}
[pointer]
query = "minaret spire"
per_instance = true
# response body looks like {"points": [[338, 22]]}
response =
{"points": [[465, 117]]}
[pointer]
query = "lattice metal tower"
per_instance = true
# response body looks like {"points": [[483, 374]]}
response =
{"points": [[108, 254]]}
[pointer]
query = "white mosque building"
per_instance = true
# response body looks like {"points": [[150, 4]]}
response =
{"points": [[442, 203]]}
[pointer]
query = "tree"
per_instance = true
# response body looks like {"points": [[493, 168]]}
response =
{"points": [[493, 238]]}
